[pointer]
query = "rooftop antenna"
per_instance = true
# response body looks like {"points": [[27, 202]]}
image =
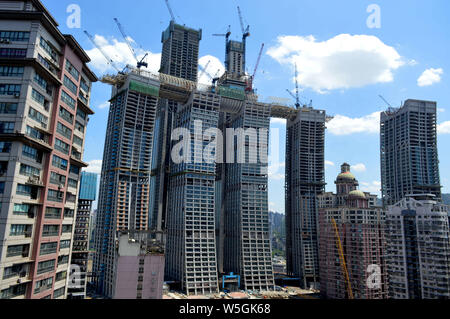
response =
{"points": [[140, 63]]}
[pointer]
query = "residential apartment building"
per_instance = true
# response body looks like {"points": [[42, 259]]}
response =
{"points": [[361, 232], [409, 154], [418, 250], [45, 85], [305, 180], [81, 239]]}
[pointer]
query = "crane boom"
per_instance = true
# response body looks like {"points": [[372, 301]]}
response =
{"points": [[170, 10], [110, 61], [126, 38], [245, 32], [342, 259], [203, 70]]}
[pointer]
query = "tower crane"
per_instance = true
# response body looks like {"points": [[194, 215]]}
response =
{"points": [[170, 11], [227, 36], [342, 260], [252, 78], [297, 92], [110, 61], [245, 31], [140, 63], [203, 69]]}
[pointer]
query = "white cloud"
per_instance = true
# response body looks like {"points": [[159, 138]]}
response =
{"points": [[430, 77], [441, 110], [277, 171], [277, 121], [359, 168], [373, 187], [444, 128], [343, 62], [95, 166], [329, 163], [104, 105], [215, 69], [343, 125], [120, 53]]}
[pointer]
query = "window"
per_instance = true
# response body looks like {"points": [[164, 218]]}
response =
{"points": [[68, 213], [70, 85], [34, 133], [32, 153], [13, 53], [64, 244], [21, 230], [14, 291], [27, 190], [60, 163], [61, 146], [18, 250], [7, 70], [50, 231], [66, 115], [64, 130], [45, 266], [74, 170], [62, 260], [81, 114], [38, 117], [38, 97], [20, 36], [2, 187], [43, 285], [73, 183], [79, 127], [68, 100], [49, 49], [84, 85], [48, 249], [21, 209], [52, 213], [71, 69], [59, 292], [78, 141], [7, 127], [55, 196], [27, 170], [8, 108], [5, 147], [62, 275], [43, 84], [66, 229], [3, 167], [20, 270], [57, 179], [10, 89]]}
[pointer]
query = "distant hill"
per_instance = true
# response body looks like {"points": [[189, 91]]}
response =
{"points": [[278, 233], [446, 199]]}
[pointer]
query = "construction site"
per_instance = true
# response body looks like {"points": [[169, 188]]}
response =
{"points": [[212, 217]]}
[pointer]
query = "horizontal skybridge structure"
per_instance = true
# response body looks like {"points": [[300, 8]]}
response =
{"points": [[179, 90]]}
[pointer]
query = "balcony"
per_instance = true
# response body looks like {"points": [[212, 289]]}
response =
{"points": [[35, 181]]}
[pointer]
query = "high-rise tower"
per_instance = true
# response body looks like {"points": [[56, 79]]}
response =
{"points": [[44, 107], [124, 198], [180, 59], [305, 180], [409, 154]]}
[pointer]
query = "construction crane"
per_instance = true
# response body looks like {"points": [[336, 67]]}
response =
{"points": [[385, 101], [342, 260], [227, 36], [203, 69], [252, 78], [170, 11], [245, 31], [110, 61], [140, 63], [297, 91]]}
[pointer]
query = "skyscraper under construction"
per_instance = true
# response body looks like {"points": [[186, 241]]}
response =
{"points": [[305, 180]]}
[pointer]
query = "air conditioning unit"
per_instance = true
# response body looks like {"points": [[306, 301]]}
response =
{"points": [[17, 95]]}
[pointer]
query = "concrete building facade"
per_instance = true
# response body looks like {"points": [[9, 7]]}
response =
{"points": [[418, 248], [81, 239], [44, 104], [409, 154], [305, 180], [361, 228]]}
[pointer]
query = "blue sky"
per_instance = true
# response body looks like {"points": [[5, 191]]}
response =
{"points": [[343, 64]]}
